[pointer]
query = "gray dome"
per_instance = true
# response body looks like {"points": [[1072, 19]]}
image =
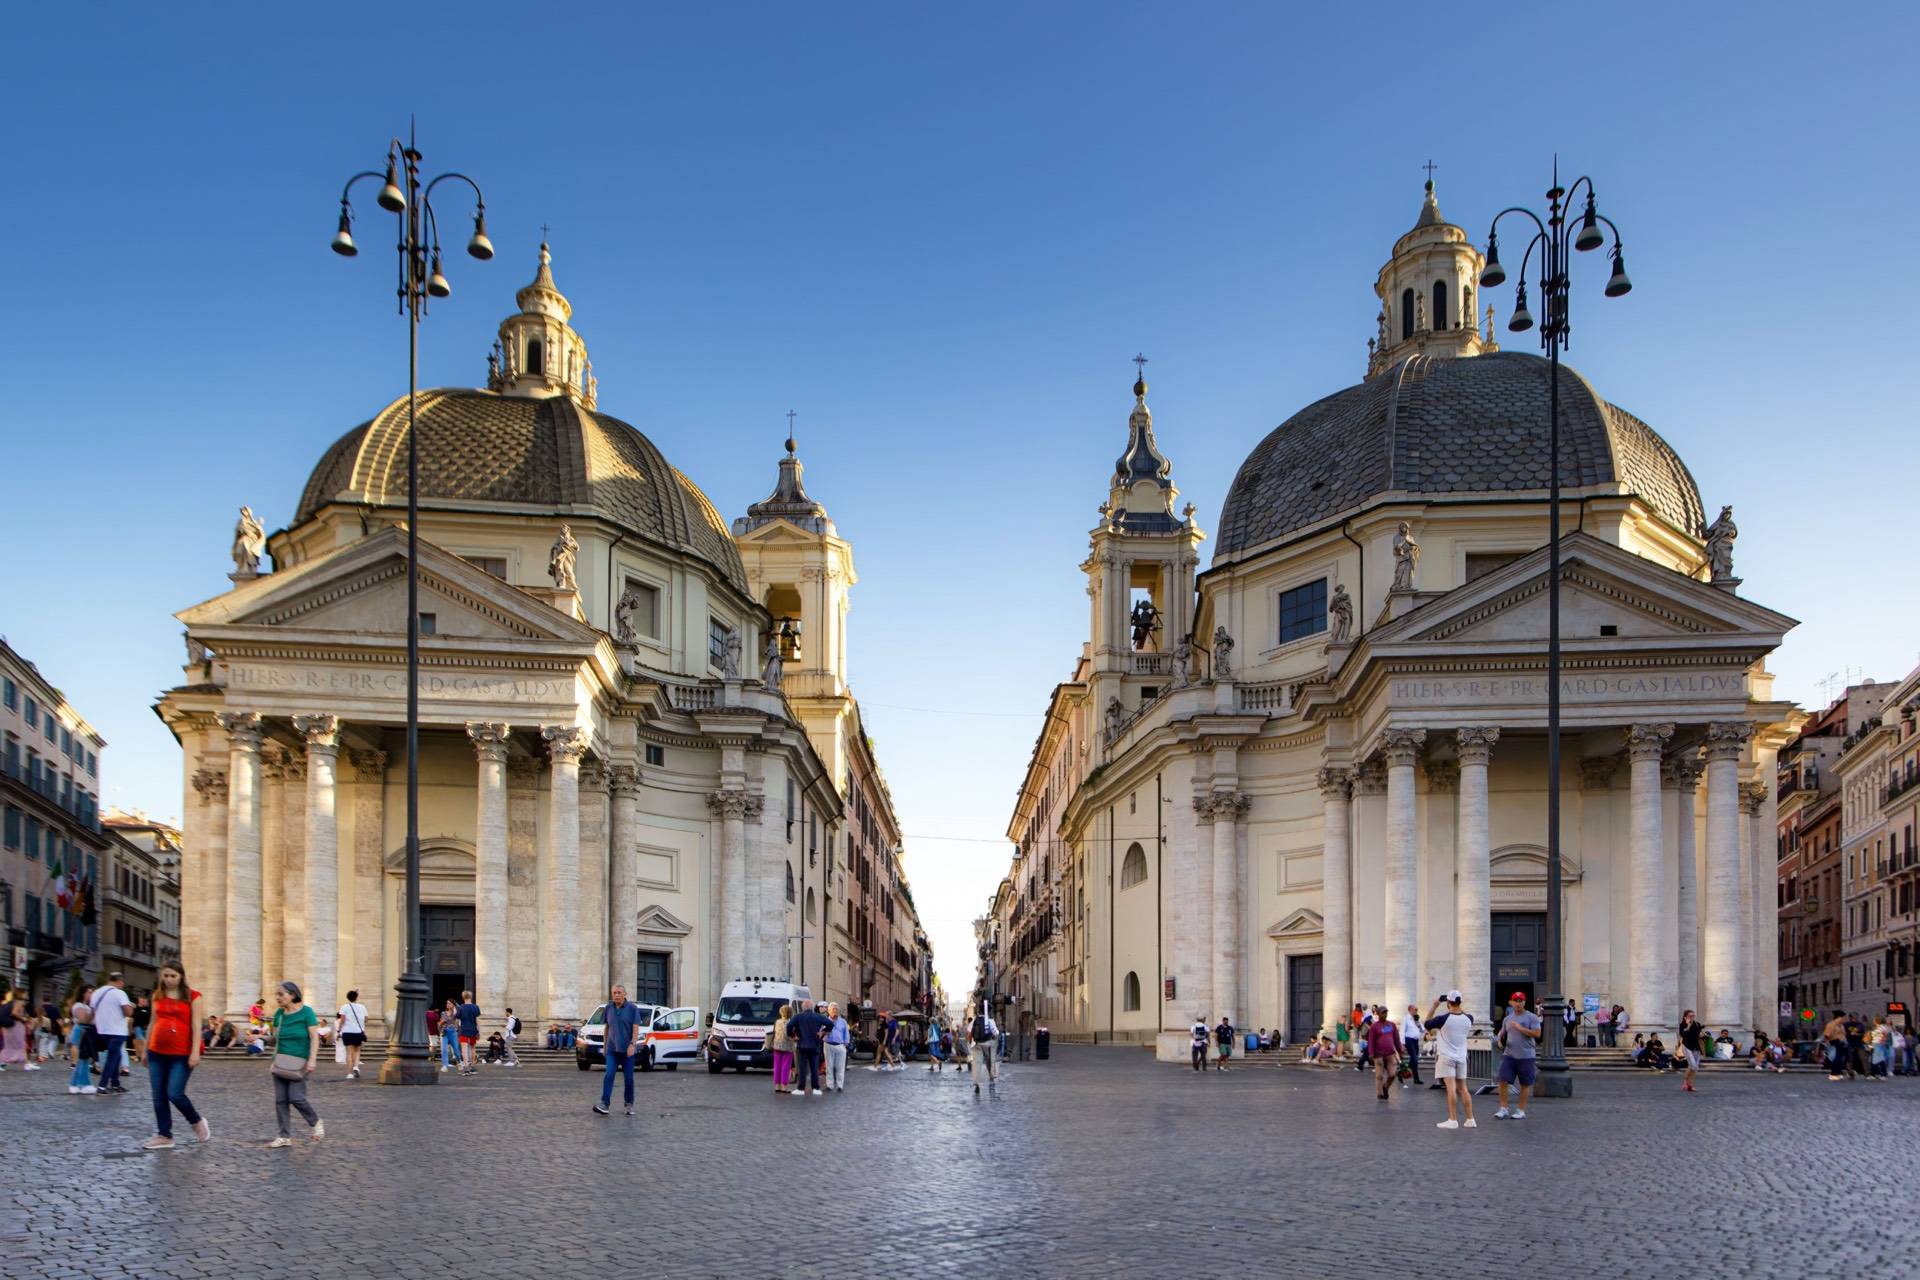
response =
{"points": [[1439, 427], [483, 447]]}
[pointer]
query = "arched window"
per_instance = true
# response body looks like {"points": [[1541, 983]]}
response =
{"points": [[1133, 867], [536, 357], [1439, 305], [1406, 314], [1130, 992], [813, 908]]}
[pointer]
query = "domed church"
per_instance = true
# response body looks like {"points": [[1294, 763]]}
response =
{"points": [[1314, 773], [636, 727]]}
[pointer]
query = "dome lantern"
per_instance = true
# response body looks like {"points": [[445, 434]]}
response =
{"points": [[1427, 292], [541, 354], [1141, 493]]}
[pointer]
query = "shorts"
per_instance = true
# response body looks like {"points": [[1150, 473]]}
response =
{"points": [[1449, 1068], [353, 1037], [1692, 1057], [469, 1039], [1521, 1071]]}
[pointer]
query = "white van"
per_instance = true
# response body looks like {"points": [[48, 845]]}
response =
{"points": [[748, 1007], [668, 1037]]}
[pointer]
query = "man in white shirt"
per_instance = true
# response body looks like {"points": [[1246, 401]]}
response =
{"points": [[110, 1005], [351, 1024], [508, 1034], [984, 1033], [1450, 1058]]}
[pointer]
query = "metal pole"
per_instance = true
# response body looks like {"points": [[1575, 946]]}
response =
{"points": [[1555, 1081]]}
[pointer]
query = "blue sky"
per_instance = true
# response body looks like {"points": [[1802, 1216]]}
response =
{"points": [[938, 233]]}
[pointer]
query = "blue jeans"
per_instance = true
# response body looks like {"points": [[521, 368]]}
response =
{"points": [[110, 1072], [167, 1076], [616, 1062], [82, 1076], [449, 1049]]}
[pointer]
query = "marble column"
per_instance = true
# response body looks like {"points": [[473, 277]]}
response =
{"points": [[491, 939], [322, 869], [1766, 909], [1473, 892], [561, 928], [1336, 897], [276, 902], [593, 883], [244, 932], [204, 901], [525, 902], [1684, 771], [1228, 809], [364, 965], [1399, 919], [730, 806], [1650, 990], [293, 873], [1367, 842], [1758, 909], [623, 781], [1437, 879], [1205, 998], [1722, 997]]}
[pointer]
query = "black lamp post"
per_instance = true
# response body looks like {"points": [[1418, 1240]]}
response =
{"points": [[402, 194], [1556, 240]]}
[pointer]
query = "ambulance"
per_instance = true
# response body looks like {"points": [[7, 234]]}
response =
{"points": [[748, 1008]]}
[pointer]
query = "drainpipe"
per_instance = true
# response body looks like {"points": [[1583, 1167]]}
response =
{"points": [[1360, 597]]}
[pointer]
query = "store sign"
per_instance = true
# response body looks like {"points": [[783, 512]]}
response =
{"points": [[1169, 986]]}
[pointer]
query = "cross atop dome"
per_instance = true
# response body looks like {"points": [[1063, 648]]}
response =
{"points": [[1427, 292]]}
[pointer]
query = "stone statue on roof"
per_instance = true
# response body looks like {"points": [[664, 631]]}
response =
{"points": [[1720, 536], [1339, 615], [249, 543], [1222, 654], [1406, 557], [770, 674], [560, 560]]}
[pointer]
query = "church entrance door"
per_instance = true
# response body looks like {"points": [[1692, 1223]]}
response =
{"points": [[446, 938], [1519, 959], [1303, 998]]}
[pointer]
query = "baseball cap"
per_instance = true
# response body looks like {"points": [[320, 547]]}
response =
{"points": [[1518, 995], [1454, 997]]}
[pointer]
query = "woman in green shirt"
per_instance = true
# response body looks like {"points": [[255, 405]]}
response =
{"points": [[296, 1035]]}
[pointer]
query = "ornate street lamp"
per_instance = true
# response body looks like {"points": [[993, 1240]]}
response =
{"points": [[402, 194], [1555, 240]]}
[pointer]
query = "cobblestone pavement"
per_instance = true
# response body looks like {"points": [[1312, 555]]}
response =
{"points": [[1097, 1163]]}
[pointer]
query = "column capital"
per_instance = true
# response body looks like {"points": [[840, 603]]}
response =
{"points": [[1476, 742], [1726, 739], [321, 730], [1402, 746], [1752, 796], [1203, 810], [523, 770], [1647, 741], [756, 804], [291, 766], [727, 803], [243, 729], [623, 780], [211, 784], [1336, 782], [489, 739], [274, 760], [1596, 772], [1443, 775], [593, 776], [566, 743], [1681, 771], [369, 765], [1371, 779]]}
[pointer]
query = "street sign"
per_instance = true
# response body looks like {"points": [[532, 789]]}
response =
{"points": [[1590, 1003]]}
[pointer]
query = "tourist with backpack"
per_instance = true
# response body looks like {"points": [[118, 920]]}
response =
{"points": [[1199, 1038], [508, 1034], [984, 1034], [1450, 1030]]}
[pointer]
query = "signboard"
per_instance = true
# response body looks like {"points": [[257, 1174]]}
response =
{"points": [[1623, 689], [1590, 1003], [1517, 972], [1169, 985], [20, 957]]}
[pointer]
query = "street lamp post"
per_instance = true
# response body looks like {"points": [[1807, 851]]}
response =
{"points": [[1556, 239], [402, 194]]}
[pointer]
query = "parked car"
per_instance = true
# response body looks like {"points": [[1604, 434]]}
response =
{"points": [[670, 1037]]}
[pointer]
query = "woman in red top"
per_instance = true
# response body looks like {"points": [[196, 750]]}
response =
{"points": [[173, 1051]]}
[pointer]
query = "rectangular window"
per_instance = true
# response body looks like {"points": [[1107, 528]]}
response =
{"points": [[13, 827], [642, 603], [12, 695], [1303, 611], [717, 633], [429, 624], [656, 754], [495, 565], [33, 713]]}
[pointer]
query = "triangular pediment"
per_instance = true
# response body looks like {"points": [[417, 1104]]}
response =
{"points": [[360, 590], [779, 531], [1301, 923], [1608, 596], [657, 919]]}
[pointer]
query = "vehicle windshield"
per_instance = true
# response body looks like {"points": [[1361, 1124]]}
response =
{"points": [[599, 1017], [748, 1011]]}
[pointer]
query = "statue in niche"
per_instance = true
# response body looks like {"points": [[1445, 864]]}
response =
{"points": [[623, 616], [770, 674], [1222, 654], [249, 543], [1183, 663], [560, 560], [1406, 557], [1419, 313], [1116, 718], [1720, 536], [730, 656], [1339, 615], [1145, 620]]}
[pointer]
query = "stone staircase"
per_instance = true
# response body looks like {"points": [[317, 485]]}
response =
{"points": [[374, 1052]]}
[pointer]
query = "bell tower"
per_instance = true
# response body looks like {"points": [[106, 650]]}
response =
{"points": [[538, 352], [1428, 293]]}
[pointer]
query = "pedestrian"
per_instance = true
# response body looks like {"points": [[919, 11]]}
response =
{"points": [[1571, 1036], [1882, 1049], [350, 1024], [1603, 1020], [110, 1024], [296, 1047], [137, 1019], [782, 1054], [1341, 1035], [985, 1035], [882, 1047], [620, 1046], [173, 1051], [1692, 1031], [47, 1033], [1450, 1030], [1223, 1042], [894, 1057], [13, 1034], [82, 1043], [839, 1037], [936, 1047], [1410, 1036], [1199, 1038], [1383, 1047], [433, 1031], [1517, 1057], [509, 1033], [809, 1030], [450, 1036], [468, 1016]]}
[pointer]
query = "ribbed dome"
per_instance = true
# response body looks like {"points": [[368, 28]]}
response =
{"points": [[482, 447], [1438, 427]]}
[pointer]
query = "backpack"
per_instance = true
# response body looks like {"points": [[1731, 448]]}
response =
{"points": [[979, 1033], [6, 1015], [513, 1026]]}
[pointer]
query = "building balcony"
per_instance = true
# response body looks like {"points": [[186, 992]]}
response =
{"points": [[1900, 786]]}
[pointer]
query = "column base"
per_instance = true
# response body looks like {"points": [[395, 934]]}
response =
{"points": [[398, 1070], [1555, 1079], [407, 1061]]}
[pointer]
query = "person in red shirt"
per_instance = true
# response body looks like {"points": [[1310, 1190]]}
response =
{"points": [[173, 1051], [1383, 1046]]}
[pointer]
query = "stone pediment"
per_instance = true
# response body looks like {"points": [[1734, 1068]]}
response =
{"points": [[1301, 923], [657, 919], [779, 531], [359, 590]]}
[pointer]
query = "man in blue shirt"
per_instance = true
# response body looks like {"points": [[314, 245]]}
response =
{"points": [[622, 1042], [839, 1036], [809, 1030], [468, 1015]]}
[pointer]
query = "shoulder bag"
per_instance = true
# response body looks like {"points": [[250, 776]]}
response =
{"points": [[287, 1066]]}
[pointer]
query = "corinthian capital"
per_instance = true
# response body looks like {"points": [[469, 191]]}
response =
{"points": [[1647, 741], [211, 784], [1752, 796], [368, 765], [490, 739], [566, 743], [1726, 739], [1476, 743], [727, 803], [243, 729], [321, 731], [623, 780], [1203, 810], [1681, 771], [1402, 746], [1336, 782]]}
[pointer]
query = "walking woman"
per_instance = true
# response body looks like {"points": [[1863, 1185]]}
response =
{"points": [[173, 1051], [296, 1046], [449, 1037], [81, 1041], [13, 1034], [350, 1024], [782, 1055]]}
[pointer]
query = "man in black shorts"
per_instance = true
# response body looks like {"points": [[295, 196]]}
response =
{"points": [[1692, 1035]]}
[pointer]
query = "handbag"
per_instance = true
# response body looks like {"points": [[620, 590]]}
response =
{"points": [[289, 1066]]}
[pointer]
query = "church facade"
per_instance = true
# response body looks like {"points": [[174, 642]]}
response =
{"points": [[634, 720], [1315, 773]]}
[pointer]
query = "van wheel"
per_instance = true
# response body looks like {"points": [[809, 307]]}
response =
{"points": [[673, 1066], [578, 1063], [713, 1068]]}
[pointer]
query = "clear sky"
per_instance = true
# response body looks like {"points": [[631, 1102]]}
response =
{"points": [[938, 233]]}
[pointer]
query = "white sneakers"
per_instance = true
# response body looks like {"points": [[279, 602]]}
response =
{"points": [[32, 1066], [1501, 1114], [1448, 1124], [1518, 1115], [280, 1142], [319, 1130], [202, 1130], [1469, 1125]]}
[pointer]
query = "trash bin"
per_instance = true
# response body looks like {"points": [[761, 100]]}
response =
{"points": [[1253, 1041], [1042, 1043]]}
